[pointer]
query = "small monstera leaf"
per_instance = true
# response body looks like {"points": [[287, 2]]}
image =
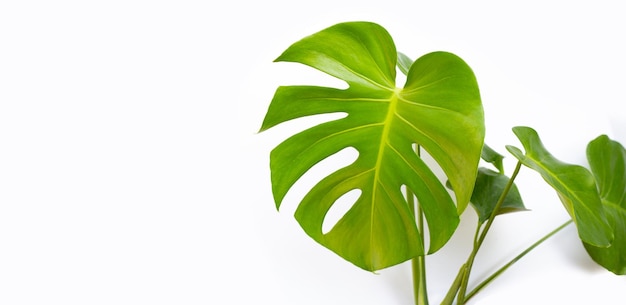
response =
{"points": [[404, 63], [493, 157], [438, 109], [607, 160], [489, 187], [574, 184]]}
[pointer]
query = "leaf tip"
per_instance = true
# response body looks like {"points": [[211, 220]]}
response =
{"points": [[514, 151]]}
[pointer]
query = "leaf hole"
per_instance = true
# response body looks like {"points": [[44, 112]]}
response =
{"points": [[279, 132], [339, 208], [430, 162], [314, 175], [426, 232], [298, 74]]}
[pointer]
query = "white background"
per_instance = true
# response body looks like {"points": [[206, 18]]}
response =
{"points": [[131, 171]]}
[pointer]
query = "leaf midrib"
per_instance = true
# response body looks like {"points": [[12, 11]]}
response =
{"points": [[564, 185], [393, 102]]}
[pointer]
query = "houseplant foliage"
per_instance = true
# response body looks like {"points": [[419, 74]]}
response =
{"points": [[437, 111], [574, 184], [607, 160], [383, 123]]}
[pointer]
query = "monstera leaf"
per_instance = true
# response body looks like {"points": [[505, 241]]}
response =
{"points": [[438, 109], [493, 157], [574, 184], [487, 191], [489, 187], [607, 160]]}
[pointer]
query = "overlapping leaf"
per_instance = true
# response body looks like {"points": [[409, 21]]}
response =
{"points": [[574, 184], [493, 157], [489, 187], [438, 109], [404, 63], [607, 160]]}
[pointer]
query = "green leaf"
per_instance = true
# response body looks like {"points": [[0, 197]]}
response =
{"points": [[488, 189], [607, 160], [574, 185], [404, 63], [438, 109], [493, 157]]}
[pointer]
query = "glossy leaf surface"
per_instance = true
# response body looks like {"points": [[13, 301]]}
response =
{"points": [[574, 184], [438, 109], [607, 160]]}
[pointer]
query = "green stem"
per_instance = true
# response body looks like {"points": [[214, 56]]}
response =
{"points": [[478, 242], [468, 266], [418, 263], [514, 260], [454, 288], [505, 192]]}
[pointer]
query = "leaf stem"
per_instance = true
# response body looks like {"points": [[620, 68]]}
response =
{"points": [[514, 260], [418, 263], [483, 234], [454, 288]]}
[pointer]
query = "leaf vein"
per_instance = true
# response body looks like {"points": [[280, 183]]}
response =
{"points": [[429, 84]]}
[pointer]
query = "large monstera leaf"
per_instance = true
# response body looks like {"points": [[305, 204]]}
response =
{"points": [[439, 110]]}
